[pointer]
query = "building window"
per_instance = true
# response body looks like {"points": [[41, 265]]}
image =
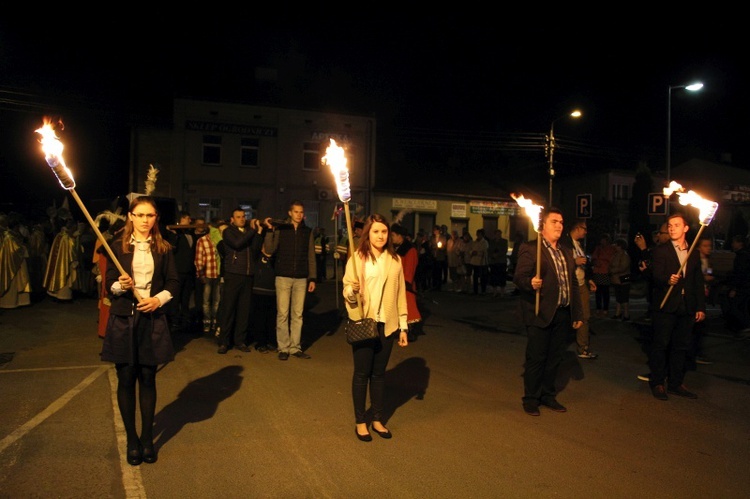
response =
{"points": [[311, 156], [210, 208], [212, 150], [620, 191], [249, 149]]}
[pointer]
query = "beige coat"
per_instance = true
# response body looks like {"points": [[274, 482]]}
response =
{"points": [[393, 304]]}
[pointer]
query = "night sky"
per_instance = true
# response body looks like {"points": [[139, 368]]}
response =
{"points": [[440, 73]]}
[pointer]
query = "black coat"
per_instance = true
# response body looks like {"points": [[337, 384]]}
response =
{"points": [[665, 263], [526, 269], [155, 346]]}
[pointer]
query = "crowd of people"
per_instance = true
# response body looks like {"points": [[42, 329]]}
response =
{"points": [[245, 282]]}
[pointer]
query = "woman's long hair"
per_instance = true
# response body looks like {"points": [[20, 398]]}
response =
{"points": [[364, 243], [158, 244]]}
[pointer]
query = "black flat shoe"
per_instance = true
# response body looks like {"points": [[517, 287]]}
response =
{"points": [[135, 455], [149, 454], [383, 434], [363, 438]]}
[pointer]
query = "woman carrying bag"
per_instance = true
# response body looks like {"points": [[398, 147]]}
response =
{"points": [[374, 287]]}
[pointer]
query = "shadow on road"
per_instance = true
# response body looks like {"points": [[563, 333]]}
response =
{"points": [[408, 380], [197, 402]]}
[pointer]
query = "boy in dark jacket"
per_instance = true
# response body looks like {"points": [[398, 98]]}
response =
{"points": [[293, 245]]}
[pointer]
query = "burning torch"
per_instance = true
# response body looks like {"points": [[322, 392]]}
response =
{"points": [[336, 160], [706, 212], [53, 148], [533, 211]]}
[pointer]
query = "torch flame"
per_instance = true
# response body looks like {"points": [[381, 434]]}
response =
{"points": [[336, 159], [707, 209], [53, 148], [532, 210]]}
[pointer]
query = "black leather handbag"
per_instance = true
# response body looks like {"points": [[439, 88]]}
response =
{"points": [[362, 330], [358, 331]]}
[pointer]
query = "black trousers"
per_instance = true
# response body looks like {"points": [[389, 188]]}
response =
{"points": [[544, 351], [234, 309], [669, 346]]}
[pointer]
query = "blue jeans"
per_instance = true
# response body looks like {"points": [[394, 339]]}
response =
{"points": [[290, 303], [211, 299]]}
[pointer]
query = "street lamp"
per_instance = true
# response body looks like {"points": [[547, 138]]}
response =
{"points": [[551, 150], [693, 87]]}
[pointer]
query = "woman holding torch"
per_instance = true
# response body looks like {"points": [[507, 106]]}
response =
{"points": [[137, 338], [375, 274]]}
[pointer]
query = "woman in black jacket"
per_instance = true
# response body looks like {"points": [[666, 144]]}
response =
{"points": [[138, 338]]}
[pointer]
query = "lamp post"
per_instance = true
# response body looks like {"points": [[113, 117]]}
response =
{"points": [[551, 150], [693, 87]]}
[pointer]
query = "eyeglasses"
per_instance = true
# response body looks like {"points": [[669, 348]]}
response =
{"points": [[141, 215]]}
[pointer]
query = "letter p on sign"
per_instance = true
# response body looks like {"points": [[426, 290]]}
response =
{"points": [[583, 206], [657, 203]]}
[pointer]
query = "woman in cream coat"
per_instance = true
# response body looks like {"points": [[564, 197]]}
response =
{"points": [[379, 283]]}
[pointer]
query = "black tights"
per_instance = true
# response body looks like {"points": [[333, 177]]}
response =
{"points": [[370, 360], [127, 376]]}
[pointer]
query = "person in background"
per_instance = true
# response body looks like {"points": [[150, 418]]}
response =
{"points": [[619, 275], [454, 261], [341, 254], [196, 313], [183, 244], [218, 239], [409, 258], [37, 262], [62, 265], [15, 284], [138, 337], [439, 252], [658, 237], [293, 246], [378, 279], [423, 277], [498, 263], [479, 262], [465, 256], [207, 264], [114, 225], [321, 253], [586, 286], [673, 322], [600, 258], [559, 310], [240, 240], [695, 354], [264, 303]]}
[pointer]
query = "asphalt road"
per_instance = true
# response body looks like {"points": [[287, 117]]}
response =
{"points": [[249, 425]]}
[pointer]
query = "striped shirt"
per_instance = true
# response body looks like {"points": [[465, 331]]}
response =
{"points": [[561, 269]]}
